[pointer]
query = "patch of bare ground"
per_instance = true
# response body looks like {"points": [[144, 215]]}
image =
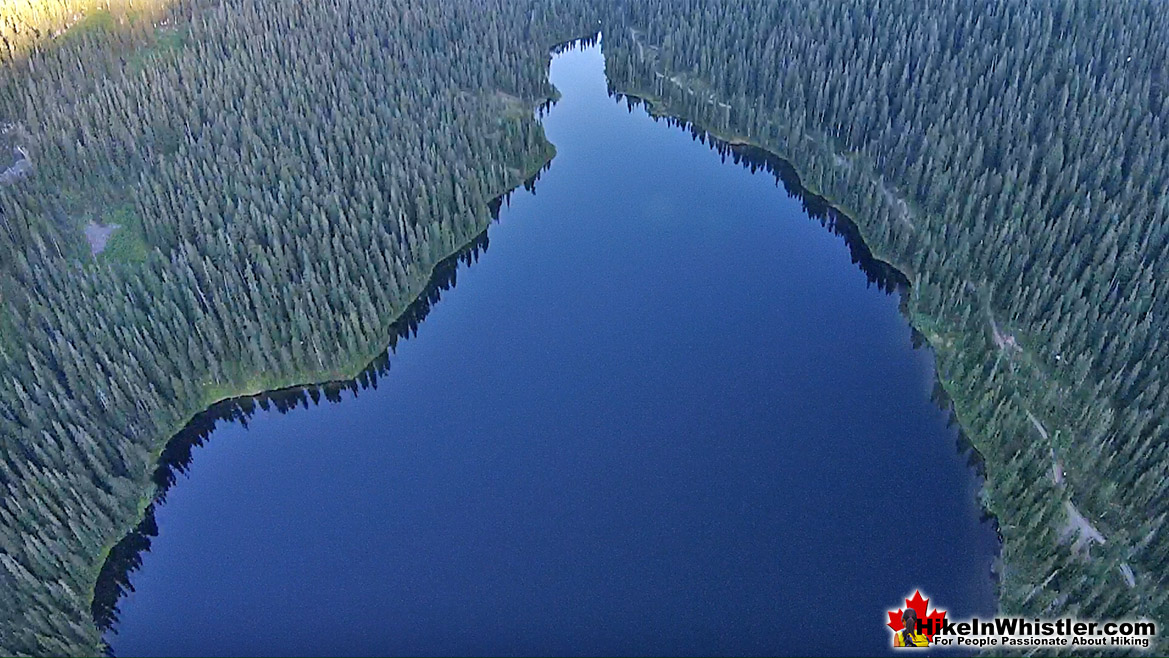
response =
{"points": [[98, 235], [21, 166]]}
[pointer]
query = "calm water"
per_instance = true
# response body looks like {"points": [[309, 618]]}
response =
{"points": [[663, 413]]}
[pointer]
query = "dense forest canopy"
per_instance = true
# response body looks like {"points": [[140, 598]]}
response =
{"points": [[207, 198]]}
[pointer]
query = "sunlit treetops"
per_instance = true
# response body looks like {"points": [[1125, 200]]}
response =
{"points": [[25, 24]]}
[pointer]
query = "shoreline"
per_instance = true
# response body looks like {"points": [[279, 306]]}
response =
{"points": [[339, 375], [837, 219], [658, 109], [252, 393]]}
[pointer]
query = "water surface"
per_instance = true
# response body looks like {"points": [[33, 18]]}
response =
{"points": [[665, 412]]}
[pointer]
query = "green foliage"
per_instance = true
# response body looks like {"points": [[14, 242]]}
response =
{"points": [[127, 244], [95, 21], [166, 43]]}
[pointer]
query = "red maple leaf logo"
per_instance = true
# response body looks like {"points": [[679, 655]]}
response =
{"points": [[919, 605]]}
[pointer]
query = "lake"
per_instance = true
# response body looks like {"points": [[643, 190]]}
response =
{"points": [[665, 412]]}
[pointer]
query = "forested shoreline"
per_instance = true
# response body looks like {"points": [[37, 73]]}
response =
{"points": [[279, 182], [300, 241], [1071, 430], [125, 557]]}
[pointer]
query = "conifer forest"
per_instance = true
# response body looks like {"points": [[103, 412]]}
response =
{"points": [[207, 199]]}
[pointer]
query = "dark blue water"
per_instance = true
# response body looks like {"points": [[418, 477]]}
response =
{"points": [[664, 413]]}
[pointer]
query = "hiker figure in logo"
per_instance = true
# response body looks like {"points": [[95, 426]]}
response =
{"points": [[909, 636]]}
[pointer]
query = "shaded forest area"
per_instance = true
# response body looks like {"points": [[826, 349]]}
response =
{"points": [[277, 181], [1012, 158]]}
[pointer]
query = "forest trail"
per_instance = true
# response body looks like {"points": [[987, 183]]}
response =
{"points": [[1056, 464], [1077, 528], [1077, 525]]}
